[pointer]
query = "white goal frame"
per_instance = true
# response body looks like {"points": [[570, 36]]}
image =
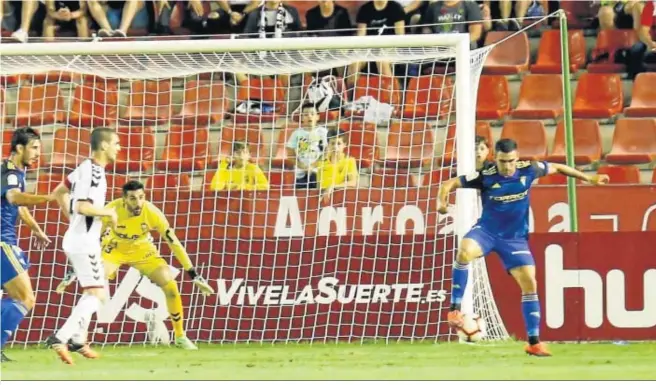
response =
{"points": [[466, 199]]}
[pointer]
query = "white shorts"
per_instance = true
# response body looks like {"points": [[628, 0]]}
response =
{"points": [[88, 268]]}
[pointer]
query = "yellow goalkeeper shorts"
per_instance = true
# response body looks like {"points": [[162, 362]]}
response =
{"points": [[144, 258]]}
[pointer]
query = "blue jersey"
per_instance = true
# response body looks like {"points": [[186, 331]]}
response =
{"points": [[505, 199], [12, 177]]}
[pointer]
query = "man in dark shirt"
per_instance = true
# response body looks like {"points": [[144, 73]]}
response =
{"points": [[328, 19], [454, 16], [378, 17], [291, 22]]}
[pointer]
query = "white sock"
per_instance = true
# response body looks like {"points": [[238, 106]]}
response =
{"points": [[81, 334], [78, 322]]}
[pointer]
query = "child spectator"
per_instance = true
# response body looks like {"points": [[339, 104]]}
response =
{"points": [[238, 173], [306, 146], [337, 170], [328, 19], [68, 15]]}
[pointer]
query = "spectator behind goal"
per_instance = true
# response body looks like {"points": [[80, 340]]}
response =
{"points": [[328, 19], [454, 16], [68, 15], [306, 146], [238, 173], [337, 170]]}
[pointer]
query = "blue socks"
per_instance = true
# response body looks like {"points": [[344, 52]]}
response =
{"points": [[12, 313], [458, 284], [531, 312]]}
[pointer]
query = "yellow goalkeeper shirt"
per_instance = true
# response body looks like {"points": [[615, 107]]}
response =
{"points": [[134, 231]]}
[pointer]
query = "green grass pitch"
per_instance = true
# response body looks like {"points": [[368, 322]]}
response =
{"points": [[395, 361]]}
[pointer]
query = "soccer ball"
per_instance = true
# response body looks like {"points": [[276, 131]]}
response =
{"points": [[473, 328]]}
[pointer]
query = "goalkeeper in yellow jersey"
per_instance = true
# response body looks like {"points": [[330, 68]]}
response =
{"points": [[131, 244]]}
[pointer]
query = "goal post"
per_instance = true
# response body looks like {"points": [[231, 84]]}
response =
{"points": [[289, 264]]}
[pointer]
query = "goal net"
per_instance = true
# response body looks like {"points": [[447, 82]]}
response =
{"points": [[368, 259]]}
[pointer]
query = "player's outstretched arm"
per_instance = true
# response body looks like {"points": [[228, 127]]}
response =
{"points": [[598, 179], [63, 198], [42, 239], [18, 198], [445, 190], [179, 252], [87, 209]]}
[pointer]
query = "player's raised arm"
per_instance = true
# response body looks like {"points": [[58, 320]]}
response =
{"points": [[179, 251], [598, 179]]}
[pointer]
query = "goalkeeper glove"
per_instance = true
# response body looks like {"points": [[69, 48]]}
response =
{"points": [[68, 279], [200, 283]]}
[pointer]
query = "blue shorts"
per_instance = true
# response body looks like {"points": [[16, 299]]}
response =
{"points": [[140, 21], [513, 252], [13, 261]]}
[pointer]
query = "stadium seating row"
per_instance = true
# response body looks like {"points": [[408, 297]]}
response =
{"points": [[409, 144], [598, 96]]}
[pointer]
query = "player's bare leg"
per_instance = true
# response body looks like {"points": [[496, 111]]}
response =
{"points": [[18, 303], [525, 277], [77, 325], [162, 278], [468, 251]]}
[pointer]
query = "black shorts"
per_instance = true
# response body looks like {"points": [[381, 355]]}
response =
{"points": [[308, 181], [622, 19]]}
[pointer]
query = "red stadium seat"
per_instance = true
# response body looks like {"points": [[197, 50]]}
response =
{"points": [[46, 182], [137, 149], [653, 177], [587, 142], [204, 103], [508, 58], [598, 96], [168, 182], [621, 174], [549, 61], [493, 97], [449, 155], [580, 14], [38, 105], [115, 184], [382, 88], [70, 147], [2, 106], [54, 77], [608, 42], [530, 136], [149, 103], [186, 149], [94, 104], [362, 142], [634, 141], [540, 97], [643, 96], [6, 143], [281, 179], [428, 96], [392, 178], [265, 90], [408, 148], [280, 158], [436, 177], [249, 134]]}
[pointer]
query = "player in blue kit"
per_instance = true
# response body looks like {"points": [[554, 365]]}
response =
{"points": [[503, 228], [25, 151]]}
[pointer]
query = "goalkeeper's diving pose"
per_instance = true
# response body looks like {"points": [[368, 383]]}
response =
{"points": [[130, 243]]}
